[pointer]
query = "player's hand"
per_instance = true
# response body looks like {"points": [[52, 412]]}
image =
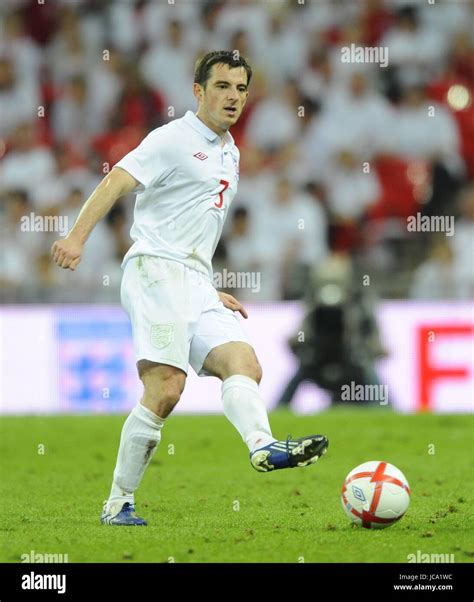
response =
{"points": [[231, 303], [67, 253]]}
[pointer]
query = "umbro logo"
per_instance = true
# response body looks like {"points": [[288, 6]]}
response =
{"points": [[200, 156], [358, 493]]}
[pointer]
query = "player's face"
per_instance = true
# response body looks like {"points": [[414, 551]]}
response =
{"points": [[222, 100]]}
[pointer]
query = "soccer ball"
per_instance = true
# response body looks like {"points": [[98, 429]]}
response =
{"points": [[375, 495]]}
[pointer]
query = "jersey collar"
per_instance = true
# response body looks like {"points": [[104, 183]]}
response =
{"points": [[202, 128]]}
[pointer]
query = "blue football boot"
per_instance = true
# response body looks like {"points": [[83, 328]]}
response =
{"points": [[121, 515], [290, 453]]}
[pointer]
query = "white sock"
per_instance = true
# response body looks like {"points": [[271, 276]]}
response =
{"points": [[245, 409], [141, 434]]}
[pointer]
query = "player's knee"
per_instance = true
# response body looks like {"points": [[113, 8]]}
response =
{"points": [[163, 387], [162, 396], [252, 367], [257, 368], [171, 388], [169, 397], [247, 367], [233, 359]]}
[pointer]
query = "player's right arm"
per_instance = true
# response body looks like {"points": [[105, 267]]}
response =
{"points": [[67, 252]]}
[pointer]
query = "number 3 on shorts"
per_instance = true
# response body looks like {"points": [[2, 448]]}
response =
{"points": [[225, 183]]}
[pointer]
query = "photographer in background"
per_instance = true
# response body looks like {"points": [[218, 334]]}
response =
{"points": [[340, 341]]}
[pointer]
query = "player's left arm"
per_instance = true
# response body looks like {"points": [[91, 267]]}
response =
{"points": [[231, 303]]}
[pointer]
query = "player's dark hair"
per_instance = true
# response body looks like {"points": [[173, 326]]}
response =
{"points": [[228, 57]]}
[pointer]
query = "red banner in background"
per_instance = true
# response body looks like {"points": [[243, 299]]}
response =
{"points": [[429, 370]]}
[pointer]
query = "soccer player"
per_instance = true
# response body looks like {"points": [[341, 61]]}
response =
{"points": [[185, 174]]}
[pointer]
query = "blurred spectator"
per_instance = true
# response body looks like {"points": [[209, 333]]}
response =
{"points": [[68, 175], [448, 19], [27, 164], [454, 88], [99, 253], [248, 16], [138, 110], [355, 117], [248, 254], [138, 104], [105, 84], [317, 78], [462, 56], [19, 246], [363, 116], [75, 118], [156, 18], [124, 22], [375, 20], [168, 67], [326, 17], [22, 50], [462, 243], [350, 189], [292, 228], [19, 98], [257, 181], [330, 150], [425, 130], [436, 277], [274, 121], [415, 50], [350, 34], [68, 55], [284, 52], [208, 36]]}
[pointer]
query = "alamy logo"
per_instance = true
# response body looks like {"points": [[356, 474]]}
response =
{"points": [[44, 223], [365, 54], [34, 581], [37, 557], [229, 279], [356, 392], [431, 223], [420, 557]]}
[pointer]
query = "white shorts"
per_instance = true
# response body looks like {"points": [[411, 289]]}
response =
{"points": [[177, 317]]}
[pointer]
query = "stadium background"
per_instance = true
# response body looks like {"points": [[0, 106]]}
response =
{"points": [[348, 149]]}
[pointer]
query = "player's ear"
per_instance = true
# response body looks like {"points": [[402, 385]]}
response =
{"points": [[197, 91]]}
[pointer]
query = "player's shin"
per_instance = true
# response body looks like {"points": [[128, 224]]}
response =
{"points": [[140, 436], [245, 409]]}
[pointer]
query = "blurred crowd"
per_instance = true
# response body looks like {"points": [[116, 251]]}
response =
{"points": [[334, 155]]}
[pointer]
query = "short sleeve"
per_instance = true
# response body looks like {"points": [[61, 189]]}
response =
{"points": [[150, 161]]}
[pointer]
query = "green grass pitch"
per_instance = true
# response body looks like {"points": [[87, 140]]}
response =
{"points": [[205, 503]]}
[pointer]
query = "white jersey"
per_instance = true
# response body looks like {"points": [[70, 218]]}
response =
{"points": [[188, 177]]}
